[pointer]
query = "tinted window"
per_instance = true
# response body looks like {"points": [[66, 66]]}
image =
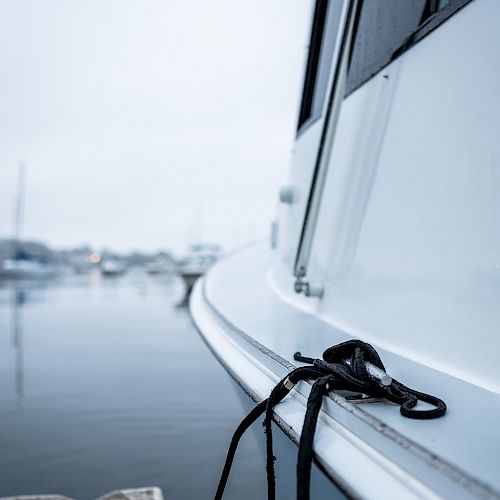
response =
{"points": [[324, 31], [383, 27], [388, 28], [384, 30], [326, 56]]}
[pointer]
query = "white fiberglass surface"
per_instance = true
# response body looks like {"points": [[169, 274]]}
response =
{"points": [[291, 216], [241, 290], [408, 238]]}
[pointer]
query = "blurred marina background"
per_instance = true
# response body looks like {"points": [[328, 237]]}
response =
{"points": [[139, 141]]}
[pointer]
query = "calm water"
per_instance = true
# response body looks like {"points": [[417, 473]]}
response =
{"points": [[105, 384]]}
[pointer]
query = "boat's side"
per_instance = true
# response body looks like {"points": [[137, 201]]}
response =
{"points": [[22, 273], [391, 216], [407, 240], [341, 455], [367, 450]]}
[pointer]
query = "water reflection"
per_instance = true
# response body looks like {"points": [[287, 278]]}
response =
{"points": [[104, 384], [19, 297]]}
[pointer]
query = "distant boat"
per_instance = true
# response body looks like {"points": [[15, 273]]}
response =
{"points": [[27, 269], [155, 267], [23, 265], [82, 268], [112, 268], [198, 260]]}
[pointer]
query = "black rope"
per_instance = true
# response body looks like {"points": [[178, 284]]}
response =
{"points": [[277, 394], [240, 430], [304, 461], [349, 366]]}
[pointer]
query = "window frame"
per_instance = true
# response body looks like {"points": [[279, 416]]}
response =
{"points": [[428, 25], [338, 88], [312, 66]]}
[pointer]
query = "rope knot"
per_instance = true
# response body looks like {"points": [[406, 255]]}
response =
{"points": [[349, 366]]}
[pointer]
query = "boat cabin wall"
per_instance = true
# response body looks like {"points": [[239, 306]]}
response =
{"points": [[327, 21], [407, 242]]}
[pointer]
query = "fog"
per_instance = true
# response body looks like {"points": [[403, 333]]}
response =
{"points": [[148, 124]]}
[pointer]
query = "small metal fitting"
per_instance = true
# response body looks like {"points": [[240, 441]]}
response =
{"points": [[301, 286]]}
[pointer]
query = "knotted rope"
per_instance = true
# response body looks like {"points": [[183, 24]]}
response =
{"points": [[349, 366]]}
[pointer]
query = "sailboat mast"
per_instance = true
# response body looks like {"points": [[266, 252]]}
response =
{"points": [[19, 206]]}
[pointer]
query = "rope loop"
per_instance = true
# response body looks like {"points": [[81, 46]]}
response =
{"points": [[353, 366]]}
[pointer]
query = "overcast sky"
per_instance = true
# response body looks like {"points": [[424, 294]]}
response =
{"points": [[148, 124]]}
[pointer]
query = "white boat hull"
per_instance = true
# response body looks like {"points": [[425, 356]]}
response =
{"points": [[365, 450], [26, 270]]}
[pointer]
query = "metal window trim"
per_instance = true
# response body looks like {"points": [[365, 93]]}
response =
{"points": [[338, 84], [318, 22]]}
